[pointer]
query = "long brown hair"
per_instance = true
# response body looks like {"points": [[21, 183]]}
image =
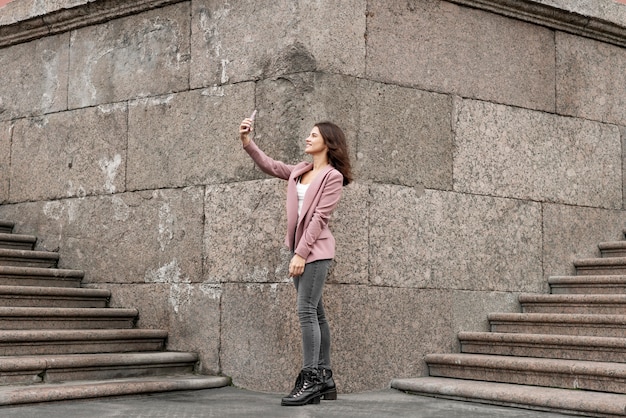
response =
{"points": [[338, 155]]}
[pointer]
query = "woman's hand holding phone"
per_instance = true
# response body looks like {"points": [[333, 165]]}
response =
{"points": [[245, 128]]}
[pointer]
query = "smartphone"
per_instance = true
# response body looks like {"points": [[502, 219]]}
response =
{"points": [[252, 116]]}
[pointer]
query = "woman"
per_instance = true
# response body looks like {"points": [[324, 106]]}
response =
{"points": [[313, 191]]}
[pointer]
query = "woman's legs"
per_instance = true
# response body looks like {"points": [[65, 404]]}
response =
{"points": [[324, 356], [313, 323]]}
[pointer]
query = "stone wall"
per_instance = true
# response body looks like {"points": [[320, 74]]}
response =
{"points": [[486, 139]]}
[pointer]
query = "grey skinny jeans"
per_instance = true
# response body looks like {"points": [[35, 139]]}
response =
{"points": [[313, 323]]}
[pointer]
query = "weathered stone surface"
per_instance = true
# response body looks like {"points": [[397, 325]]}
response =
{"points": [[16, 11], [590, 79], [375, 113], [261, 342], [622, 130], [470, 309], [600, 20], [6, 130], [189, 138], [443, 240], [34, 77], [448, 48], [69, 154], [350, 227], [261, 346], [239, 41], [414, 322], [64, 10], [244, 232], [405, 136], [189, 311], [245, 229], [574, 232], [283, 123], [137, 56], [150, 299], [524, 154], [611, 11], [195, 322], [143, 237]]}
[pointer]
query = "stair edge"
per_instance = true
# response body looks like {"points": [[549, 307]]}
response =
{"points": [[526, 397], [97, 389]]}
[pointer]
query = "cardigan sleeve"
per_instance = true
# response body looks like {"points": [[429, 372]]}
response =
{"points": [[266, 164]]}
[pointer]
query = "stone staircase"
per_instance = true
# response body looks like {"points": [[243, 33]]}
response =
{"points": [[59, 341], [566, 351]]}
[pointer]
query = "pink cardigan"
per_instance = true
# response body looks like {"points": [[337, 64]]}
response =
{"points": [[309, 236]]}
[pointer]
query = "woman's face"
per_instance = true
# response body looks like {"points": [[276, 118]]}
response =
{"points": [[315, 143]]}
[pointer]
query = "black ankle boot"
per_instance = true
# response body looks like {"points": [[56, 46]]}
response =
{"points": [[329, 389], [298, 385], [308, 393]]}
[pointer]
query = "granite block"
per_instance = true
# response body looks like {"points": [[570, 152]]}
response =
{"points": [[379, 333], [442, 240], [245, 229], [405, 136], [260, 346], [238, 41], [290, 105], [350, 227], [6, 131], [523, 154], [440, 46], [137, 56], [34, 77], [143, 237], [150, 299], [470, 309], [590, 79], [189, 138], [572, 233], [69, 154], [195, 323]]}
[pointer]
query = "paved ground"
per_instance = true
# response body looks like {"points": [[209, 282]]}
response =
{"points": [[232, 402]]}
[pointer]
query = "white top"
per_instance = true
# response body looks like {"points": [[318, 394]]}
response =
{"points": [[301, 189]]}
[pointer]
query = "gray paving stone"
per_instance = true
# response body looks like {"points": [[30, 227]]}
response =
{"points": [[236, 403]]}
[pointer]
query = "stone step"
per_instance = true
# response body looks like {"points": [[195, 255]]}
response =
{"points": [[61, 368], [565, 374], [613, 249], [600, 266], [575, 402], [53, 297], [569, 347], [15, 318], [41, 341], [17, 242], [588, 284], [559, 324], [44, 277], [27, 258], [6, 227], [578, 304], [25, 394]]}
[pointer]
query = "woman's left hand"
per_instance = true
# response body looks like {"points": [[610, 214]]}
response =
{"points": [[296, 266]]}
